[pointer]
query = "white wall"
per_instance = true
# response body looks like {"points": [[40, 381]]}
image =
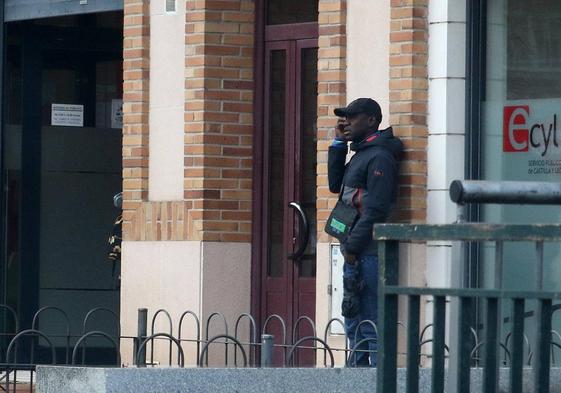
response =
{"points": [[159, 275], [368, 29], [202, 277], [446, 122], [167, 101], [368, 40], [446, 143]]}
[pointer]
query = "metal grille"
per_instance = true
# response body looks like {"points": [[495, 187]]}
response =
{"points": [[467, 351], [170, 6]]}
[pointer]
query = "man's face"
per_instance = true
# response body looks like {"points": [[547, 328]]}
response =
{"points": [[357, 126]]}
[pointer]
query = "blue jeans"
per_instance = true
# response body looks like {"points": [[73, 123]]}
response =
{"points": [[366, 271]]}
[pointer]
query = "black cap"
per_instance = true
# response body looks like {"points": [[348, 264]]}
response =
{"points": [[361, 105]]}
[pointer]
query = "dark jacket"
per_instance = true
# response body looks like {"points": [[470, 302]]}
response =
{"points": [[370, 184]]}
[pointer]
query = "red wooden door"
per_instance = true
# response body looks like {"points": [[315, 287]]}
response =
{"points": [[288, 215]]}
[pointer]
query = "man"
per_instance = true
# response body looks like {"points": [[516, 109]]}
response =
{"points": [[368, 183], [115, 240]]}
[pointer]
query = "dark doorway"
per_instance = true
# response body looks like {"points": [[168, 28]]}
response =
{"points": [[285, 249], [61, 164]]}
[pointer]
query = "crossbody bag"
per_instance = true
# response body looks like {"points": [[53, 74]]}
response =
{"points": [[342, 218]]}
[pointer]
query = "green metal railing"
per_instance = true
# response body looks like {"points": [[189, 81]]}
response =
{"points": [[389, 237]]}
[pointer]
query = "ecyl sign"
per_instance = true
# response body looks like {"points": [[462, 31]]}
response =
{"points": [[522, 133]]}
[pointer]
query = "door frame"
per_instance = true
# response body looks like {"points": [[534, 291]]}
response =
{"points": [[262, 34], [3, 184], [289, 165], [15, 10], [298, 182]]}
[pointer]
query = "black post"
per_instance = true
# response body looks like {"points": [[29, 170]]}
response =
{"points": [[387, 316], [464, 345], [31, 175], [267, 341], [491, 360], [517, 346], [543, 343], [438, 344], [141, 336], [413, 349]]}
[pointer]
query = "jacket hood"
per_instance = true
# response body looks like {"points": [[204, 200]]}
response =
{"points": [[385, 139]]}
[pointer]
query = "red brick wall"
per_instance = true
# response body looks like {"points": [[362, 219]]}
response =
{"points": [[218, 125], [219, 119], [219, 116], [408, 101], [331, 94], [136, 64]]}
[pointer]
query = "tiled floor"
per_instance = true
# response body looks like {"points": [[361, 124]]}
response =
{"points": [[20, 388]]}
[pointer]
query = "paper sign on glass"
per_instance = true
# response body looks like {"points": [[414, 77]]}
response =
{"points": [[116, 113], [67, 115]]}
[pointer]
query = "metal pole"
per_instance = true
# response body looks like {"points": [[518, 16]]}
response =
{"points": [[499, 263], [267, 341], [141, 336], [505, 192], [539, 266], [459, 278]]}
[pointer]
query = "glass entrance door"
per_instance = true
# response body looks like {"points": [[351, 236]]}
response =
{"points": [[289, 189], [61, 166], [521, 120]]}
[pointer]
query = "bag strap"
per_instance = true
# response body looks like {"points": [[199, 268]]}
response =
{"points": [[343, 180]]}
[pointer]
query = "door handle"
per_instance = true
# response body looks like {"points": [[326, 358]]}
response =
{"points": [[305, 232]]}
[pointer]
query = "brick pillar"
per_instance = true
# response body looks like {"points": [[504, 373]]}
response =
{"points": [[408, 101], [331, 94], [219, 119], [136, 55]]}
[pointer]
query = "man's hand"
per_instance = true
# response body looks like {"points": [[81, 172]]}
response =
{"points": [[340, 129], [349, 258]]}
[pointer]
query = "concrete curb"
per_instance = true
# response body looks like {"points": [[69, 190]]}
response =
{"points": [[52, 379]]}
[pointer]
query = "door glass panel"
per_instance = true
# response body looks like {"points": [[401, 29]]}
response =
{"points": [[522, 98], [80, 171], [61, 178], [308, 127], [85, 162], [276, 162], [533, 41], [291, 11]]}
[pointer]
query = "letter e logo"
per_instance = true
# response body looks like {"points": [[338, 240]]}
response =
{"points": [[515, 128]]}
